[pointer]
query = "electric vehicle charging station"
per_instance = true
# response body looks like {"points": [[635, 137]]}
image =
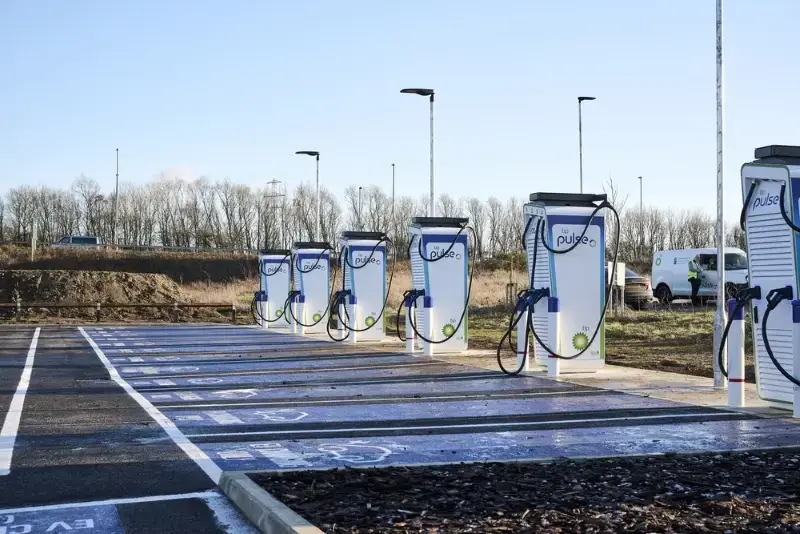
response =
{"points": [[566, 256], [309, 303], [361, 303], [275, 283], [771, 219], [441, 279]]}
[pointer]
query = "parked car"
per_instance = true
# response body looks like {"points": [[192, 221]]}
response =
{"points": [[78, 242], [671, 273], [637, 290]]}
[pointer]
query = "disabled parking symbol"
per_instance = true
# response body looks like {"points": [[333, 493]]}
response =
{"points": [[357, 452], [235, 393], [283, 415], [204, 380]]}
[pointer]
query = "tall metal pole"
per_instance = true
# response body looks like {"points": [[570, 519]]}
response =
{"points": [[580, 143], [432, 209], [316, 231], [641, 203], [392, 192], [116, 199], [720, 317]]}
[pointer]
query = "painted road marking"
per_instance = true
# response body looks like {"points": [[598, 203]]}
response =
{"points": [[201, 459], [114, 502], [398, 428], [373, 400], [135, 373], [8, 434], [100, 519]]}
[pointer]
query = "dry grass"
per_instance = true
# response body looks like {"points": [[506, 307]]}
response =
{"points": [[10, 254], [239, 292]]}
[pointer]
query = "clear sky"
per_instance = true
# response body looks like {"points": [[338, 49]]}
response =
{"points": [[233, 88]]}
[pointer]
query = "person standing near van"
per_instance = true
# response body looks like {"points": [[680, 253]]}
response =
{"points": [[694, 276]]}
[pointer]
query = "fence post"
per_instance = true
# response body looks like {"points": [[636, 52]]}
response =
{"points": [[233, 312], [98, 312], [175, 308], [19, 310]]}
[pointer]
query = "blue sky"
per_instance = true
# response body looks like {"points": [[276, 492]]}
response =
{"points": [[234, 88]]}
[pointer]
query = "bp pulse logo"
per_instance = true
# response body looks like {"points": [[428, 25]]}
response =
{"points": [[658, 261], [317, 317], [272, 269], [567, 239], [308, 269], [437, 253], [766, 200], [449, 330], [363, 260], [369, 321], [580, 341]]}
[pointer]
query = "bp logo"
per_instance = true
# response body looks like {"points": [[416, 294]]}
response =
{"points": [[279, 313], [580, 341], [658, 262], [448, 330], [317, 317], [370, 321]]}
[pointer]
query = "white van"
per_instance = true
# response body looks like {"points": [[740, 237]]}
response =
{"points": [[670, 278]]}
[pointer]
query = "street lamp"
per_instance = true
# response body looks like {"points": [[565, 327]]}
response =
{"points": [[429, 93], [116, 199], [641, 206], [315, 154], [580, 134], [392, 193]]}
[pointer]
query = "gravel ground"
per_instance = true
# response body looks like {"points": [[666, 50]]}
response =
{"points": [[736, 492]]}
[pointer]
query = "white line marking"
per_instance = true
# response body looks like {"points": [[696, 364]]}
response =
{"points": [[192, 451], [114, 502], [445, 427], [8, 434], [383, 400], [148, 371]]}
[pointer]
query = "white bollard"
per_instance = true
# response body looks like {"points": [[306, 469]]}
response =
{"points": [[340, 319], [353, 318], [410, 337], [553, 336], [427, 314], [522, 340], [796, 360], [301, 314], [735, 350], [293, 314], [264, 312]]}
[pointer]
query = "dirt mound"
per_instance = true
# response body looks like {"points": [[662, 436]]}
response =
{"points": [[90, 287]]}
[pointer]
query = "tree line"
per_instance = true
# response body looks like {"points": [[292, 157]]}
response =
{"points": [[221, 214]]}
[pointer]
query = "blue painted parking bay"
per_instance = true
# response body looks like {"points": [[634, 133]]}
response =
{"points": [[304, 403]]}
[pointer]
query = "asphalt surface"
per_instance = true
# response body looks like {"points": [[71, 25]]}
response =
{"points": [[82, 438]]}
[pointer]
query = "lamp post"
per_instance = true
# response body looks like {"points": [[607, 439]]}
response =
{"points": [[580, 135], [429, 93], [392, 192], [641, 204], [315, 154], [721, 316], [116, 199]]}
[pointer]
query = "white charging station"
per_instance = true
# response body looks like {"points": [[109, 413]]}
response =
{"points": [[773, 249], [363, 262], [440, 268], [275, 284], [311, 266], [577, 278]]}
